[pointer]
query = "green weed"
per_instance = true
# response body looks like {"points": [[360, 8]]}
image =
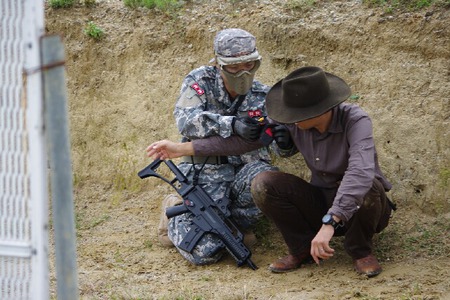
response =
{"points": [[148, 244], [70, 3], [93, 31], [167, 6], [61, 3], [354, 97]]}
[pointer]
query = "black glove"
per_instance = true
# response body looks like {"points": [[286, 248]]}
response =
{"points": [[247, 128], [282, 137]]}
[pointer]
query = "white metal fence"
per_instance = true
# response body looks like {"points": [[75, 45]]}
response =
{"points": [[23, 163]]}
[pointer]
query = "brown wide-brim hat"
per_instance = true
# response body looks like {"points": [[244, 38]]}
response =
{"points": [[305, 93]]}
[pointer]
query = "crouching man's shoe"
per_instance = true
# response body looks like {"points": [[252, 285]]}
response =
{"points": [[170, 200], [290, 262], [368, 266]]}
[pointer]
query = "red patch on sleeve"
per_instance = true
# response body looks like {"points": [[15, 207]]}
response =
{"points": [[254, 113], [197, 89]]}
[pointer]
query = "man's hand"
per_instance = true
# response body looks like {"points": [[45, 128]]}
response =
{"points": [[246, 128], [165, 149], [320, 247], [282, 137]]}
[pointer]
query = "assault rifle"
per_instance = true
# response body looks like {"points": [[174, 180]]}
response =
{"points": [[209, 216]]}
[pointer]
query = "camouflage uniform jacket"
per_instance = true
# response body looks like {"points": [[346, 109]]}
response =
{"points": [[204, 109]]}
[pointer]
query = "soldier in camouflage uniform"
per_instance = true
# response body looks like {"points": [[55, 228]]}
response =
{"points": [[223, 99]]}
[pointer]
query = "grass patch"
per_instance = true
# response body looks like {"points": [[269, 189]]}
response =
{"points": [[426, 240], [429, 240], [70, 3], [391, 5], [61, 3], [166, 6]]}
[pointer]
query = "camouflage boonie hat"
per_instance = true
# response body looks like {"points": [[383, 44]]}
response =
{"points": [[234, 45]]}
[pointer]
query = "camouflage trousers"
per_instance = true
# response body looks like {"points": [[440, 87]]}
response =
{"points": [[225, 181]]}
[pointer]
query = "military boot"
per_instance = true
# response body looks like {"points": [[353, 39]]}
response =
{"points": [[170, 200]]}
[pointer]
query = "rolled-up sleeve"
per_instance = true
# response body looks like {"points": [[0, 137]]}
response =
{"points": [[217, 145]]}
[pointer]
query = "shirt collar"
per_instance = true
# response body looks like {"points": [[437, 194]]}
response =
{"points": [[336, 125]]}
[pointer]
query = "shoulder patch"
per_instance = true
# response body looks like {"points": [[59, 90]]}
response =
{"points": [[197, 89], [254, 113]]}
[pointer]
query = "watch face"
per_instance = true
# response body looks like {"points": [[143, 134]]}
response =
{"points": [[327, 219]]}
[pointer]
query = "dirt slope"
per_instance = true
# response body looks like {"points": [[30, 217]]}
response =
{"points": [[121, 95]]}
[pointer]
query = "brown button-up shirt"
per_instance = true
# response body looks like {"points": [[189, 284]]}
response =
{"points": [[343, 157]]}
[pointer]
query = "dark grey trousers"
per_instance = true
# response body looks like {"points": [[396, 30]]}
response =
{"points": [[297, 207]]}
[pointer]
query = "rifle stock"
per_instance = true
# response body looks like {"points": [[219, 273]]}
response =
{"points": [[209, 216]]}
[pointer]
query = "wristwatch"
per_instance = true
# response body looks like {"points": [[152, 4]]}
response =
{"points": [[328, 220]]}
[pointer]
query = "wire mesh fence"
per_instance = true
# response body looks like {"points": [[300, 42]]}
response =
{"points": [[23, 184]]}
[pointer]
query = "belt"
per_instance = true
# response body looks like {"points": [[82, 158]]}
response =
{"points": [[212, 160]]}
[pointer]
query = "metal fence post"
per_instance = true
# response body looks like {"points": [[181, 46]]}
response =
{"points": [[56, 112]]}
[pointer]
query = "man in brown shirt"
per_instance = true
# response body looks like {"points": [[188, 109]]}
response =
{"points": [[347, 191]]}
